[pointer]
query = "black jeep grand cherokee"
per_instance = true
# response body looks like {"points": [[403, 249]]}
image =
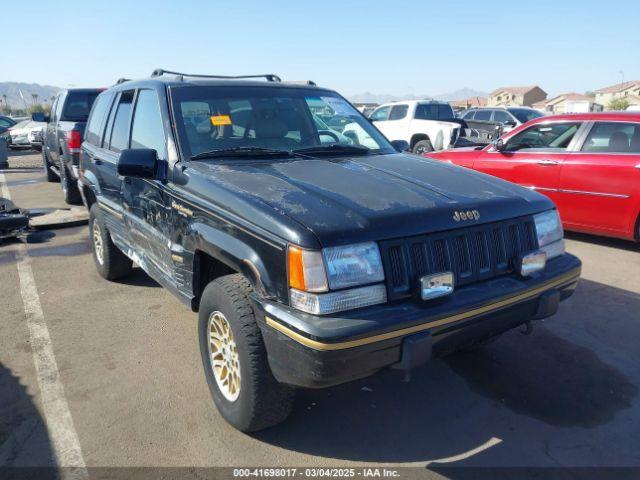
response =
{"points": [[313, 257]]}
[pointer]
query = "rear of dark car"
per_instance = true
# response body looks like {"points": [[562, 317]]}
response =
{"points": [[63, 137]]}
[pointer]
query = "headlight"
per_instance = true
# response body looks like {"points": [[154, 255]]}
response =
{"points": [[353, 265], [313, 273], [550, 233]]}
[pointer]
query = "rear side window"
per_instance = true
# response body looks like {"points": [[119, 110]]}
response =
{"points": [[77, 106], [434, 111], [147, 130], [120, 131], [613, 137], [398, 112], [95, 126], [483, 115]]}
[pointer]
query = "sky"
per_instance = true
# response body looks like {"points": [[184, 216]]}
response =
{"points": [[385, 47]]}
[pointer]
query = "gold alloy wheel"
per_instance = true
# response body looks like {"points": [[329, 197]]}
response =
{"points": [[97, 242], [223, 354]]}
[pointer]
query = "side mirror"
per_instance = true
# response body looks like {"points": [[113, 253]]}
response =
{"points": [[39, 117], [138, 162], [499, 145], [509, 123], [400, 145]]}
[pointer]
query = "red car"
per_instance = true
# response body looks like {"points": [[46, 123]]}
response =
{"points": [[588, 164]]}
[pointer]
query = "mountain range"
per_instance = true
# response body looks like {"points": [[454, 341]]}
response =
{"points": [[12, 91], [45, 92], [461, 94]]}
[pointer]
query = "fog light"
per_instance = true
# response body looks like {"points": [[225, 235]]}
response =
{"points": [[532, 263], [436, 285]]}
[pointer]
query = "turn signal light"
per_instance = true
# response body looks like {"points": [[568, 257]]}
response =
{"points": [[306, 270]]}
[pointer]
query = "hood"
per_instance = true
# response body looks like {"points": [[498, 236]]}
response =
{"points": [[380, 197]]}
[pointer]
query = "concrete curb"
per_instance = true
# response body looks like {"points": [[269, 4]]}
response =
{"points": [[60, 219]]}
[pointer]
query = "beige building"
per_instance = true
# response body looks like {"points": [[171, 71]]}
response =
{"points": [[516, 96], [468, 103], [630, 91], [568, 103]]}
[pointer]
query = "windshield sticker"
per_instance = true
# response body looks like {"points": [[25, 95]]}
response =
{"points": [[220, 120], [339, 106]]}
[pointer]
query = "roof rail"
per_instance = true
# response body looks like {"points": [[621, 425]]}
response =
{"points": [[301, 82], [122, 80], [158, 72]]}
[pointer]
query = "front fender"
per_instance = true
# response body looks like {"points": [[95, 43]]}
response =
{"points": [[234, 253]]}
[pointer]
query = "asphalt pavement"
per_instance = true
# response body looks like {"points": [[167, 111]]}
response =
{"points": [[128, 370]]}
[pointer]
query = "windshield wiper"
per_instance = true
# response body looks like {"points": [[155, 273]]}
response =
{"points": [[334, 148], [243, 152]]}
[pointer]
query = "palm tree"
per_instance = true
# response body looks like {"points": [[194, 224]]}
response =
{"points": [[35, 98]]}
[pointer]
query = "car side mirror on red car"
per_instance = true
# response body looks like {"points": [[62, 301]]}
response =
{"points": [[499, 145]]}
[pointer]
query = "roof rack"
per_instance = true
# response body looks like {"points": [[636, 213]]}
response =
{"points": [[122, 80], [158, 72], [301, 82]]}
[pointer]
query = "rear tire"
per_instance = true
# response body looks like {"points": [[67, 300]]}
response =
{"points": [[423, 146], [251, 399], [51, 177], [70, 190], [110, 262]]}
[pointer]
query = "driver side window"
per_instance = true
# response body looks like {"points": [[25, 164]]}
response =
{"points": [[380, 114], [543, 137]]}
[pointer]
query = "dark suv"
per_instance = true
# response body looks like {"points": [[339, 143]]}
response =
{"points": [[311, 260], [489, 123], [62, 137]]}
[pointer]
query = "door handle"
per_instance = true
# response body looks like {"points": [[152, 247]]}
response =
{"points": [[638, 166], [548, 163]]}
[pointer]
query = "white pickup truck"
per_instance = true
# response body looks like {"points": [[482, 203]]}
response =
{"points": [[426, 125]]}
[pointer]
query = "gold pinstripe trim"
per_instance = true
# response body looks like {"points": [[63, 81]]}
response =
{"points": [[112, 210], [569, 277]]}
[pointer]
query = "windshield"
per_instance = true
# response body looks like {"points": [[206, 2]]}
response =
{"points": [[215, 119], [524, 114]]}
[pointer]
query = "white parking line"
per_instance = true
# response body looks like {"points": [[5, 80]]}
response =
{"points": [[62, 432]]}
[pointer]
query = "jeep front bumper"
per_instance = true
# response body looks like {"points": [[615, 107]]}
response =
{"points": [[319, 351]]}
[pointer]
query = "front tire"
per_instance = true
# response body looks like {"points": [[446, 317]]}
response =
{"points": [[423, 146], [235, 359], [110, 262]]}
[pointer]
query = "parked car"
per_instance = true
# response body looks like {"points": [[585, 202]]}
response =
{"points": [[425, 125], [5, 124], [310, 264], [63, 136], [588, 164], [488, 123], [25, 133]]}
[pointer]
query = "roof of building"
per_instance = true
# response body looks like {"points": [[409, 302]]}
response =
{"points": [[618, 87], [470, 102], [571, 96], [515, 90]]}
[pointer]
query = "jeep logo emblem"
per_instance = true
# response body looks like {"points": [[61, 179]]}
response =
{"points": [[461, 216]]}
